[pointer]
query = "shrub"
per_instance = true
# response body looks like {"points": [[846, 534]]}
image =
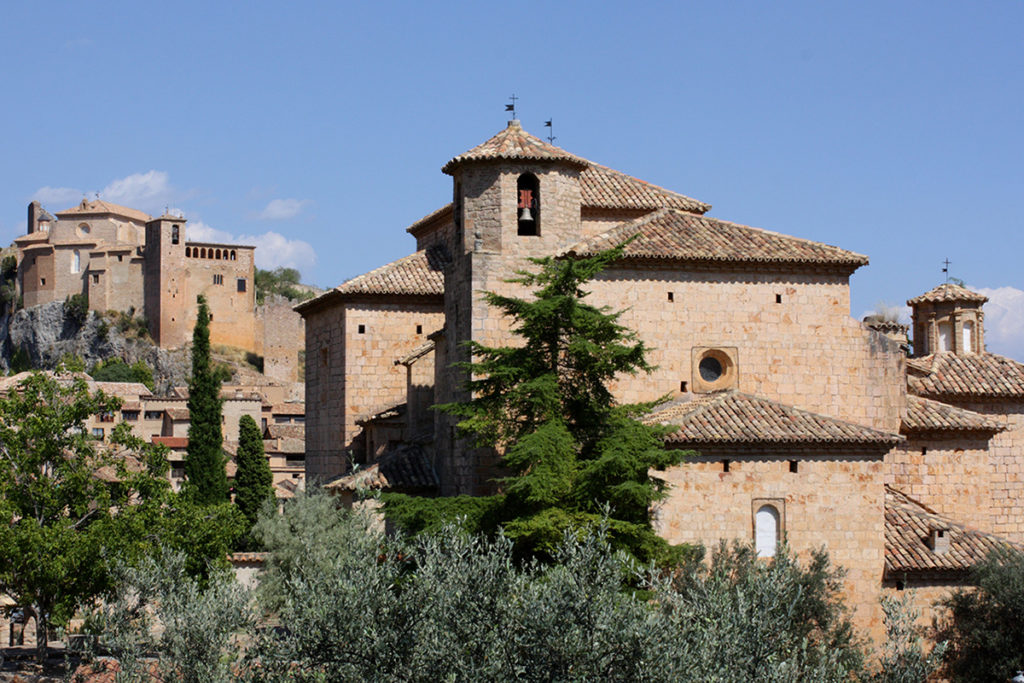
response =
{"points": [[76, 308]]}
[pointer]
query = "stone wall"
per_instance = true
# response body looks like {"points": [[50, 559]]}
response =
{"points": [[951, 474], [280, 335], [833, 502], [1006, 467], [230, 289]]}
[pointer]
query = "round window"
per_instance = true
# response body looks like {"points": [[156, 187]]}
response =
{"points": [[710, 369]]}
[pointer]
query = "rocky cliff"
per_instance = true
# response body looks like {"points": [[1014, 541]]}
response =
{"points": [[52, 331]]}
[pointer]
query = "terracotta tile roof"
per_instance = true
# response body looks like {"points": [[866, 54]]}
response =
{"points": [[731, 417], [386, 414], [292, 408], [98, 207], [171, 441], [177, 414], [248, 557], [948, 292], [908, 525], [404, 468], [420, 274], [38, 236], [514, 143], [974, 375], [681, 236], [289, 431], [416, 354], [605, 188], [924, 414], [430, 219]]}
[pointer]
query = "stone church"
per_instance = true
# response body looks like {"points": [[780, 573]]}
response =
{"points": [[809, 425], [124, 260]]}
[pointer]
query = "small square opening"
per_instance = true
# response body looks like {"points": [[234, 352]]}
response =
{"points": [[725, 465], [778, 298], [682, 387], [362, 329], [419, 329], [793, 466], [671, 296], [924, 450]]}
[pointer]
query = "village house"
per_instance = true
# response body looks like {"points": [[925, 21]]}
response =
{"points": [[810, 425]]}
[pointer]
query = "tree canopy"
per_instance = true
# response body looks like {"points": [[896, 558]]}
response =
{"points": [[254, 482], [283, 281], [576, 455], [70, 504], [206, 479]]}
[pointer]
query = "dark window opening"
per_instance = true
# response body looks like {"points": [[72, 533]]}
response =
{"points": [[901, 585], [710, 369], [671, 296], [241, 284], [682, 387], [120, 258], [528, 206], [725, 465], [793, 466], [778, 298], [174, 234], [419, 329], [924, 450], [232, 254], [95, 278], [362, 329], [218, 279], [188, 252]]}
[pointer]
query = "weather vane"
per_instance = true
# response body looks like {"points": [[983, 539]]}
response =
{"points": [[512, 107], [551, 133]]}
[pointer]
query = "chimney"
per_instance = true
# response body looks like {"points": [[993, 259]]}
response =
{"points": [[938, 541]]}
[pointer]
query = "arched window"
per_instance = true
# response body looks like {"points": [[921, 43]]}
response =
{"points": [[202, 253], [969, 336], [76, 261], [188, 252], [175, 234], [528, 204], [218, 255], [945, 336], [232, 254], [766, 530]]}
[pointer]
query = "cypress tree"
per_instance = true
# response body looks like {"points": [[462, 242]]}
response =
{"points": [[206, 480], [254, 484], [576, 455]]}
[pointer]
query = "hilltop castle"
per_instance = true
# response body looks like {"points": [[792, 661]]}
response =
{"points": [[808, 423], [122, 259]]}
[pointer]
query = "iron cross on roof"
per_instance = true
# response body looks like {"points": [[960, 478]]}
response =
{"points": [[512, 107]]}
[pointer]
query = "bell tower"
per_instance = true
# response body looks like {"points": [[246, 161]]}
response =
{"points": [[948, 319], [514, 197], [165, 285]]}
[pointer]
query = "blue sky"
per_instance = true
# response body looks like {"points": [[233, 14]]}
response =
{"points": [[317, 130]]}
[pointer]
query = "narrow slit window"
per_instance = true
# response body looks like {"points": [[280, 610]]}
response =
{"points": [[175, 234], [794, 466], [671, 296], [362, 329], [778, 298], [725, 465], [682, 387], [419, 329]]}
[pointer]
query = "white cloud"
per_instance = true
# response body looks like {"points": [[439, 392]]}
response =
{"points": [[1004, 321], [150, 191], [282, 209], [273, 249], [58, 198]]}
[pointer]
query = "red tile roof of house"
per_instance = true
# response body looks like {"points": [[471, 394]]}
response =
{"points": [[419, 274], [513, 143], [926, 415], [731, 417], [672, 234], [171, 441], [98, 207], [908, 525], [973, 375], [948, 292]]}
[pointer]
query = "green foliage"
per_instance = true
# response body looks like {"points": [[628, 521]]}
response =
{"points": [[206, 480], [155, 610], [71, 362], [20, 360], [418, 514], [59, 520], [254, 483], [905, 659], [116, 370], [102, 330], [129, 324], [984, 626], [282, 281], [76, 308], [576, 455], [8, 283]]}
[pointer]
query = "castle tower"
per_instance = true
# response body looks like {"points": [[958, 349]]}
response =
{"points": [[948, 319], [514, 197], [165, 290]]}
